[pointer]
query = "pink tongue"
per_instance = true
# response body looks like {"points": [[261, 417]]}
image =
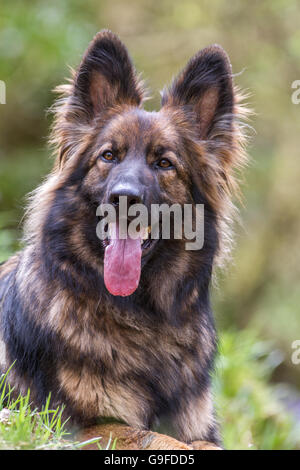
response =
{"points": [[122, 265]]}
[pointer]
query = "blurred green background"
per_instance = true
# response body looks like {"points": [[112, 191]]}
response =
{"points": [[257, 299]]}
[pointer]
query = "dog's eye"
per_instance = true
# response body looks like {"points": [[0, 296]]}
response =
{"points": [[107, 156], [164, 163]]}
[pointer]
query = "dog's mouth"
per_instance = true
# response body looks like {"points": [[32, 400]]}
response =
{"points": [[123, 258]]}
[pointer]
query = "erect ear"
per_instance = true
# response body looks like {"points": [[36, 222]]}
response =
{"points": [[106, 76], [205, 88]]}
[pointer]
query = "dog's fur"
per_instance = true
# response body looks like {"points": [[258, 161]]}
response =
{"points": [[146, 358]]}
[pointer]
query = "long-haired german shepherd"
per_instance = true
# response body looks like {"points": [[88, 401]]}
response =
{"points": [[147, 357]]}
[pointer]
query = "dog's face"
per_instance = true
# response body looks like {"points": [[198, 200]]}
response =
{"points": [[139, 155], [111, 147]]}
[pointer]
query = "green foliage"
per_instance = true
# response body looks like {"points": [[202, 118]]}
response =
{"points": [[250, 409]]}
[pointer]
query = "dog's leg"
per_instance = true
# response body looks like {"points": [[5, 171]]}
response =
{"points": [[196, 424], [128, 438]]}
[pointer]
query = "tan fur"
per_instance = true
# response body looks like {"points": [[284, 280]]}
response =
{"points": [[128, 438], [8, 266], [196, 414], [2, 355]]}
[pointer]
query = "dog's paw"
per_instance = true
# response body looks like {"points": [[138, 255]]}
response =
{"points": [[204, 445]]}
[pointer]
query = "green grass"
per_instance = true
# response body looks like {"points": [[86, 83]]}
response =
{"points": [[24, 428]]}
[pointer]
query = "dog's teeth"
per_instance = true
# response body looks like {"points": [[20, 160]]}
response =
{"points": [[145, 232], [111, 230]]}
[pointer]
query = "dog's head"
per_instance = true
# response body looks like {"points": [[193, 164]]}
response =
{"points": [[109, 146]]}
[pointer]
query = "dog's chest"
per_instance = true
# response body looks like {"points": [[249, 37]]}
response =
{"points": [[124, 371]]}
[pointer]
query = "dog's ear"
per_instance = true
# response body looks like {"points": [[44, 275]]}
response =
{"points": [[106, 76], [205, 88]]}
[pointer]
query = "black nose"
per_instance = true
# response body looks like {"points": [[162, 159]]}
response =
{"points": [[133, 193]]}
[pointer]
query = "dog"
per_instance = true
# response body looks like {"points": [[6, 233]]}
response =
{"points": [[132, 341]]}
